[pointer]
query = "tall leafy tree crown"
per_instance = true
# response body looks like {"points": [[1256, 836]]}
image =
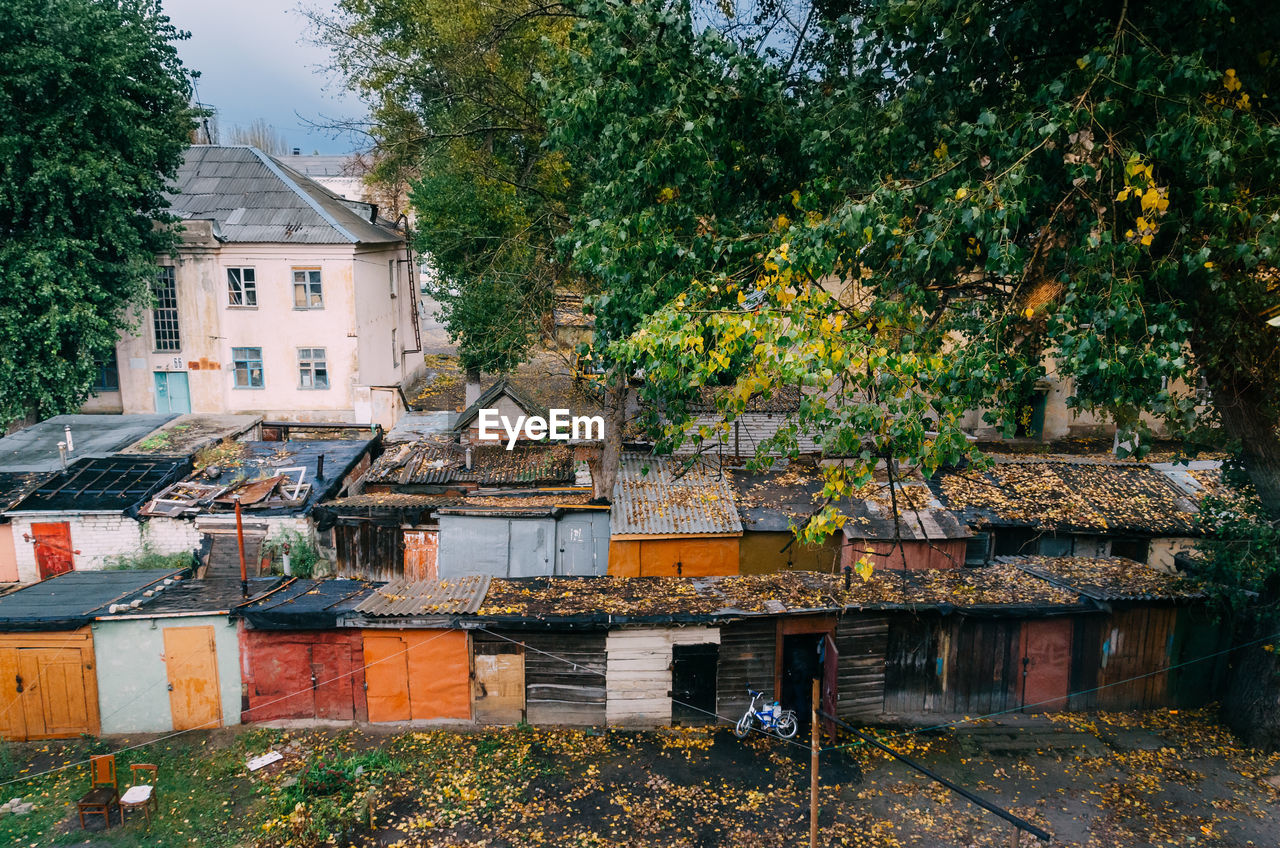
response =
{"points": [[94, 119]]}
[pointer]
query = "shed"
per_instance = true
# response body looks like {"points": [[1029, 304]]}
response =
{"points": [[414, 671], [78, 519], [47, 649], [296, 662], [511, 405], [1070, 506], [914, 539], [182, 640], [770, 504], [672, 517], [524, 533], [659, 676]]}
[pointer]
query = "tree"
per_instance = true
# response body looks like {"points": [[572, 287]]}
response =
{"points": [[985, 190], [456, 109], [94, 119], [261, 135]]}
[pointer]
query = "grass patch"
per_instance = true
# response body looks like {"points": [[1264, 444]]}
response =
{"points": [[148, 557], [204, 799]]}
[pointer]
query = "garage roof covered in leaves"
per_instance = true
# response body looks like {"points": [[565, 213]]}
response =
{"points": [[1110, 579], [662, 497], [1061, 493]]}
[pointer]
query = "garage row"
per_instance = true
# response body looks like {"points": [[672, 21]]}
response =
{"points": [[157, 651]]}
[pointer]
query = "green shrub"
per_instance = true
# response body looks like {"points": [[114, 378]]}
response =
{"points": [[302, 553], [148, 557]]}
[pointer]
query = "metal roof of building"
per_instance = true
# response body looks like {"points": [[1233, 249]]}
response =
{"points": [[302, 603], [254, 198], [661, 496], [403, 599], [432, 462], [72, 599], [111, 484], [35, 448]]}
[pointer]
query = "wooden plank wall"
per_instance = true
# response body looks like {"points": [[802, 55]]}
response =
{"points": [[861, 641], [913, 667], [1136, 651], [747, 650], [983, 668], [1200, 642], [369, 551], [557, 692], [639, 672]]}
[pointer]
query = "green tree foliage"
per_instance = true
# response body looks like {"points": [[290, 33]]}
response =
{"points": [[978, 193], [94, 118], [456, 108]]}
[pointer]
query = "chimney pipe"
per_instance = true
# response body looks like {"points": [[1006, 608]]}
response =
{"points": [[62, 454], [71, 445], [320, 467], [468, 457]]}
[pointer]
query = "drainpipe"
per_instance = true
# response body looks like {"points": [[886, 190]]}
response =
{"points": [[413, 284]]}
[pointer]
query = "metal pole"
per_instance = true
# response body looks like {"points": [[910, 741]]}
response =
{"points": [[813, 769], [244, 571]]}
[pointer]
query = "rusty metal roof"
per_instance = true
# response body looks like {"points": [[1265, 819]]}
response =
{"points": [[431, 462], [456, 596], [661, 496]]}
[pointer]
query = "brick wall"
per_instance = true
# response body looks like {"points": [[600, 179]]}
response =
{"points": [[97, 537]]}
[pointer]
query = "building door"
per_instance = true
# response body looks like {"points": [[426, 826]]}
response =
{"points": [[801, 664], [191, 663], [576, 547], [497, 686], [173, 394], [420, 548], [386, 675], [1046, 664], [44, 693], [693, 683], [529, 548], [830, 682], [54, 555], [331, 681]]}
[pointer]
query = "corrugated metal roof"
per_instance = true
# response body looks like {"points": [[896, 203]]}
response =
{"points": [[255, 198], [660, 496], [400, 598], [432, 462]]}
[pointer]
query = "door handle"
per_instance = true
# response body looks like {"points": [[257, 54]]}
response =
{"points": [[18, 679], [170, 687]]}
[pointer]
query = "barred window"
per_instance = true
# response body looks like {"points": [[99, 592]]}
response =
{"points": [[242, 287], [164, 314], [246, 363], [313, 369], [307, 292]]}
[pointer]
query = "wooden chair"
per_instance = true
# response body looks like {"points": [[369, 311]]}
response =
{"points": [[104, 791], [141, 794]]}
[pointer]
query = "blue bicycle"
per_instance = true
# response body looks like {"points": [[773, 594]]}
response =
{"points": [[772, 717]]}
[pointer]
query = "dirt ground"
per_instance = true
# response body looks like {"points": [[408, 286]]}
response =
{"points": [[1161, 779]]}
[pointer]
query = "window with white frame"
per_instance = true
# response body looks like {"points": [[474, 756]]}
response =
{"points": [[242, 287], [246, 364], [313, 368], [164, 312], [307, 292]]}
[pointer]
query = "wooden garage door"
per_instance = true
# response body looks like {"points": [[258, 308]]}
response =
{"points": [[47, 692], [191, 663], [498, 687]]}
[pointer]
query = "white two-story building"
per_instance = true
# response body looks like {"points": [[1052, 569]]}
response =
{"points": [[283, 300]]}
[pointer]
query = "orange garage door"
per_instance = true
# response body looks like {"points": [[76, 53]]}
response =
{"points": [[417, 674]]}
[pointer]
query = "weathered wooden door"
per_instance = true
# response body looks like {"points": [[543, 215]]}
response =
{"points": [[191, 663], [1046, 664], [50, 693], [497, 686], [386, 675], [693, 683], [13, 724], [420, 548], [53, 548], [830, 682]]}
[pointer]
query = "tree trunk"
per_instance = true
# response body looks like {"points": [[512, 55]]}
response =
{"points": [[1251, 704], [1247, 417], [605, 469]]}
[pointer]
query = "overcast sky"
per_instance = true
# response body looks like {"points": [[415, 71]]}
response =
{"points": [[255, 62]]}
